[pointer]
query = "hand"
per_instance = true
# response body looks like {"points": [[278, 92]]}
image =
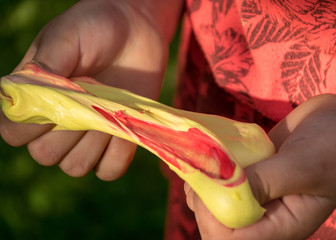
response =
{"points": [[115, 42], [296, 185]]}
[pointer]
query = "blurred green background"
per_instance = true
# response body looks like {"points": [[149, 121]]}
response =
{"points": [[39, 202]]}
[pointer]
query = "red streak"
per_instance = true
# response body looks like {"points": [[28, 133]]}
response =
{"points": [[238, 181], [193, 146], [49, 78]]}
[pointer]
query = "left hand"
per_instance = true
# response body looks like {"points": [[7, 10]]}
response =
{"points": [[296, 185], [119, 43]]}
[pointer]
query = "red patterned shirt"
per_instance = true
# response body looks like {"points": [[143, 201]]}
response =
{"points": [[253, 61]]}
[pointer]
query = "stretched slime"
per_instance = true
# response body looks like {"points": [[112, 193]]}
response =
{"points": [[209, 152]]}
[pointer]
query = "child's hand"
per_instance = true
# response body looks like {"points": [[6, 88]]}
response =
{"points": [[296, 185], [115, 42]]}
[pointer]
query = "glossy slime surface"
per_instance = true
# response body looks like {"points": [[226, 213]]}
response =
{"points": [[193, 147], [207, 151]]}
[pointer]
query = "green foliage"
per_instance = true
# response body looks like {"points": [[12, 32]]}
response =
{"points": [[39, 202]]}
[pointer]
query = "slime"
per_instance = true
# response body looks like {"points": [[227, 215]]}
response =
{"points": [[209, 152]]}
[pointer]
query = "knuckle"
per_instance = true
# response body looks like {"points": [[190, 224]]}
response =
{"points": [[260, 188], [10, 138], [43, 153], [114, 166], [74, 167], [110, 175]]}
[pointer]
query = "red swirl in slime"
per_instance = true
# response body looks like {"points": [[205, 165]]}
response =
{"points": [[193, 146]]}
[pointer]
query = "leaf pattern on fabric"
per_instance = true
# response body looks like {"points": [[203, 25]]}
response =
{"points": [[310, 80], [250, 9], [289, 11], [301, 73], [325, 18], [265, 31], [267, 27], [231, 60], [301, 22], [230, 57], [220, 6], [268, 21]]}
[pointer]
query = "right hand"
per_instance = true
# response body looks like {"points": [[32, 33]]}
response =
{"points": [[295, 185], [114, 42]]}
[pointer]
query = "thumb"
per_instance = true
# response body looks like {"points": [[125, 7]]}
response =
{"points": [[292, 170], [272, 178], [279, 174], [305, 153], [56, 47]]}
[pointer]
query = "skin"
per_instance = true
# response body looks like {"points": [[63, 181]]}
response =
{"points": [[117, 43], [294, 185]]}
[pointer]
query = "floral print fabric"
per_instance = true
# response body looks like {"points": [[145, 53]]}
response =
{"points": [[253, 61], [270, 54]]}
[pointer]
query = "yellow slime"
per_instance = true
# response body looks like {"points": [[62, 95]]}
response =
{"points": [[209, 152]]}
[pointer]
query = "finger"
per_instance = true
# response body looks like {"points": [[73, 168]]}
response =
{"points": [[19, 134], [299, 168], [189, 196], [305, 156], [284, 128], [307, 214], [52, 147], [283, 174], [186, 188], [85, 154], [291, 217], [270, 178], [116, 159], [285, 219]]}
